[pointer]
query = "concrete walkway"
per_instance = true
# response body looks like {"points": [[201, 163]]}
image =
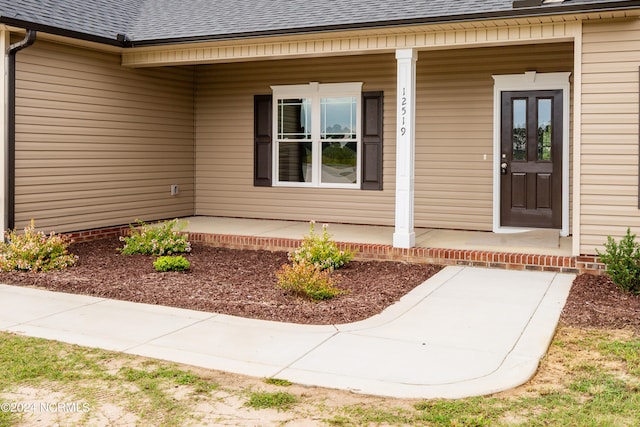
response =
{"points": [[464, 332]]}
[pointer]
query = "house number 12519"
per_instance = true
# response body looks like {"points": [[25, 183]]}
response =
{"points": [[403, 113]]}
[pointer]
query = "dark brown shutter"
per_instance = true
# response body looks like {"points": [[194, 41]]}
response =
{"points": [[372, 140], [262, 128]]}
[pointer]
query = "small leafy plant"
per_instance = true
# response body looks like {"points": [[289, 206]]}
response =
{"points": [[309, 274], [321, 250], [171, 263], [35, 251], [622, 262], [307, 280], [161, 239]]}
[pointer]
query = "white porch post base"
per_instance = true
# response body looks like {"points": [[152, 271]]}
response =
{"points": [[404, 239], [404, 236]]}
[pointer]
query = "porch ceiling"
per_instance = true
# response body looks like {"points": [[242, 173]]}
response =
{"points": [[423, 37]]}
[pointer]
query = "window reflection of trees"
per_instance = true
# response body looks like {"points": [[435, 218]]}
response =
{"points": [[544, 142], [338, 131], [519, 143], [339, 161]]}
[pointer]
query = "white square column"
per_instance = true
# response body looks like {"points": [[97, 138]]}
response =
{"points": [[404, 235]]}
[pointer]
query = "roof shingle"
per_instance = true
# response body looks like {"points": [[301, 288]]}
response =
{"points": [[162, 20]]}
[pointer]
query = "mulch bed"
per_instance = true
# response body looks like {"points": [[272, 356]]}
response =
{"points": [[236, 282], [596, 302], [243, 283]]}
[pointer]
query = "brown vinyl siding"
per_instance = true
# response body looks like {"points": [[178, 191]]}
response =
{"points": [[454, 183], [609, 146], [224, 133], [454, 120], [98, 144]]}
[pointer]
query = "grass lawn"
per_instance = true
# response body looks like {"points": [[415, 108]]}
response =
{"points": [[588, 378]]}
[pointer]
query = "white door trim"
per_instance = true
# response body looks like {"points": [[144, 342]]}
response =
{"points": [[530, 80]]}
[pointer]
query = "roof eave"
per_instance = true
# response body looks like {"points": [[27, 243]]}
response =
{"points": [[42, 28], [123, 41]]}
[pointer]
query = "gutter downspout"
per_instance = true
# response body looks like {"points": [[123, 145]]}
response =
{"points": [[10, 148]]}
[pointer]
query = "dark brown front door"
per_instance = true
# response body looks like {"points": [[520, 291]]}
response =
{"points": [[531, 159]]}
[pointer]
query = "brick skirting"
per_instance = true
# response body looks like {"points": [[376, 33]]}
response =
{"points": [[98, 233], [478, 258], [505, 260]]}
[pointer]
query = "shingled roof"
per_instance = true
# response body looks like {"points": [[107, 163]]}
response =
{"points": [[164, 21]]}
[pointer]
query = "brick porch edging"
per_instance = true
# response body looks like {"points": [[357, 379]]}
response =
{"points": [[504, 260], [98, 233]]}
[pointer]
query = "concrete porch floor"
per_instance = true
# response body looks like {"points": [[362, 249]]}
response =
{"points": [[539, 250], [541, 242]]}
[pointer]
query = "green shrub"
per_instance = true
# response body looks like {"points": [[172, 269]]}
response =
{"points": [[622, 262], [160, 239], [320, 250], [171, 263], [307, 280], [35, 251]]}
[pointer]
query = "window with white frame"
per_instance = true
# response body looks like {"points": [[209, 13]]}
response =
{"points": [[317, 135]]}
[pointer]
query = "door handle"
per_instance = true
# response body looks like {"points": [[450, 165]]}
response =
{"points": [[503, 168]]}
